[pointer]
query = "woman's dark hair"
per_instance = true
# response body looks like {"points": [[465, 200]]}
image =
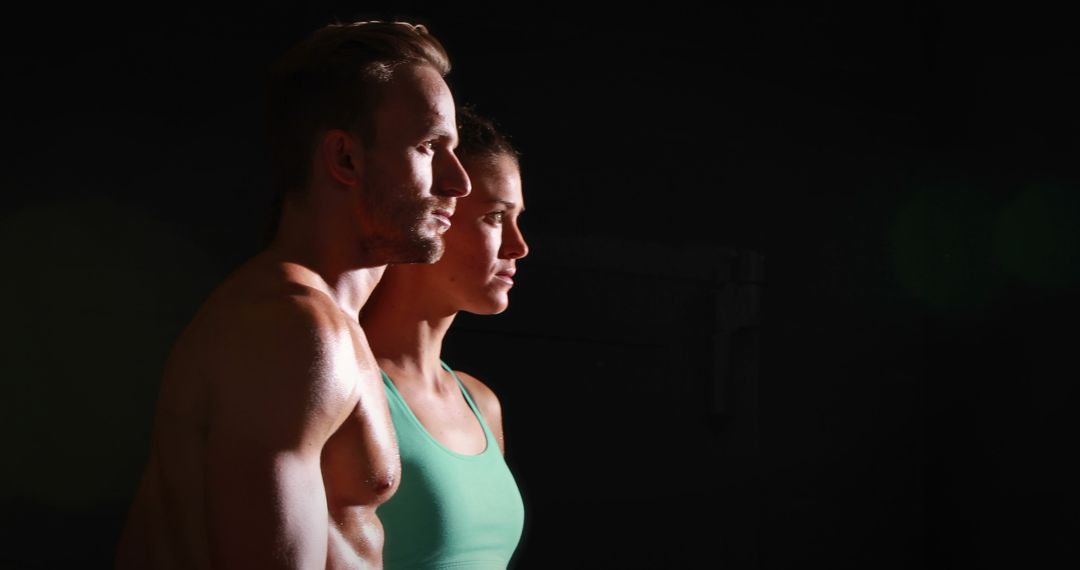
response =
{"points": [[479, 138]]}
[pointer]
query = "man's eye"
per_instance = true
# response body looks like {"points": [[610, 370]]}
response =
{"points": [[495, 217]]}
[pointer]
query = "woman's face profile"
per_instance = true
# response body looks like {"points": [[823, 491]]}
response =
{"points": [[485, 240]]}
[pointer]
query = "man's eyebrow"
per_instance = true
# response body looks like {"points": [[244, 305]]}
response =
{"points": [[448, 135], [442, 131], [507, 203], [439, 132], [435, 126]]}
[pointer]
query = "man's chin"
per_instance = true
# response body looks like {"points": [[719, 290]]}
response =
{"points": [[428, 250]]}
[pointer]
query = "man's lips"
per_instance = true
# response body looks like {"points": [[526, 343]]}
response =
{"points": [[443, 217]]}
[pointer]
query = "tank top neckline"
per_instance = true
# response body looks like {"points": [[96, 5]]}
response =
{"points": [[488, 437]]}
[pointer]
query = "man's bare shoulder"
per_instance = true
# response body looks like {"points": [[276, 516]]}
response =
{"points": [[271, 342], [267, 299]]}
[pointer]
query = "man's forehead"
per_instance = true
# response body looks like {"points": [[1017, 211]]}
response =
{"points": [[418, 85], [421, 100]]}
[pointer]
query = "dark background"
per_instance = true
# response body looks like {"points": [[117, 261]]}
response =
{"points": [[891, 388]]}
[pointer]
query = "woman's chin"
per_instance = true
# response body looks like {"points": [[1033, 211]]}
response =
{"points": [[490, 306]]}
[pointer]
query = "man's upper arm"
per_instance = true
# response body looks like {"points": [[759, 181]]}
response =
{"points": [[276, 398]]}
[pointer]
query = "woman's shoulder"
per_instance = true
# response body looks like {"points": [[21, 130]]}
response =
{"points": [[488, 404], [484, 397]]}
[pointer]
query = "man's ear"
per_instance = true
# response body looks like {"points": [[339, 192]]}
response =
{"points": [[343, 156]]}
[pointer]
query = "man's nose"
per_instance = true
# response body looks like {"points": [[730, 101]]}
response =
{"points": [[450, 178]]}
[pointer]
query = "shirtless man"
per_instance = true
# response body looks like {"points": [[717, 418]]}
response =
{"points": [[272, 445]]}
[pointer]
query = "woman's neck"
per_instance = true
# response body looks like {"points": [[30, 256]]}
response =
{"points": [[405, 331]]}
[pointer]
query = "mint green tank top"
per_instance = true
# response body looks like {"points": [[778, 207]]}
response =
{"points": [[450, 510]]}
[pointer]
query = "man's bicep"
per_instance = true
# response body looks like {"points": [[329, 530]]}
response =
{"points": [[266, 500], [271, 418], [264, 509]]}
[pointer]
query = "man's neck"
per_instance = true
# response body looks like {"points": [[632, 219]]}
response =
{"points": [[340, 267]]}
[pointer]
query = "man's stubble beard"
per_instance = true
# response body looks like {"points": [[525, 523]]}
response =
{"points": [[420, 248], [403, 225]]}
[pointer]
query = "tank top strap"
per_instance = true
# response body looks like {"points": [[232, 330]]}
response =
{"points": [[472, 404]]}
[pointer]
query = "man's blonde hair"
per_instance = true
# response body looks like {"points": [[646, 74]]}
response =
{"points": [[333, 79]]}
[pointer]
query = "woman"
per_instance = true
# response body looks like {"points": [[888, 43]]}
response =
{"points": [[458, 504]]}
